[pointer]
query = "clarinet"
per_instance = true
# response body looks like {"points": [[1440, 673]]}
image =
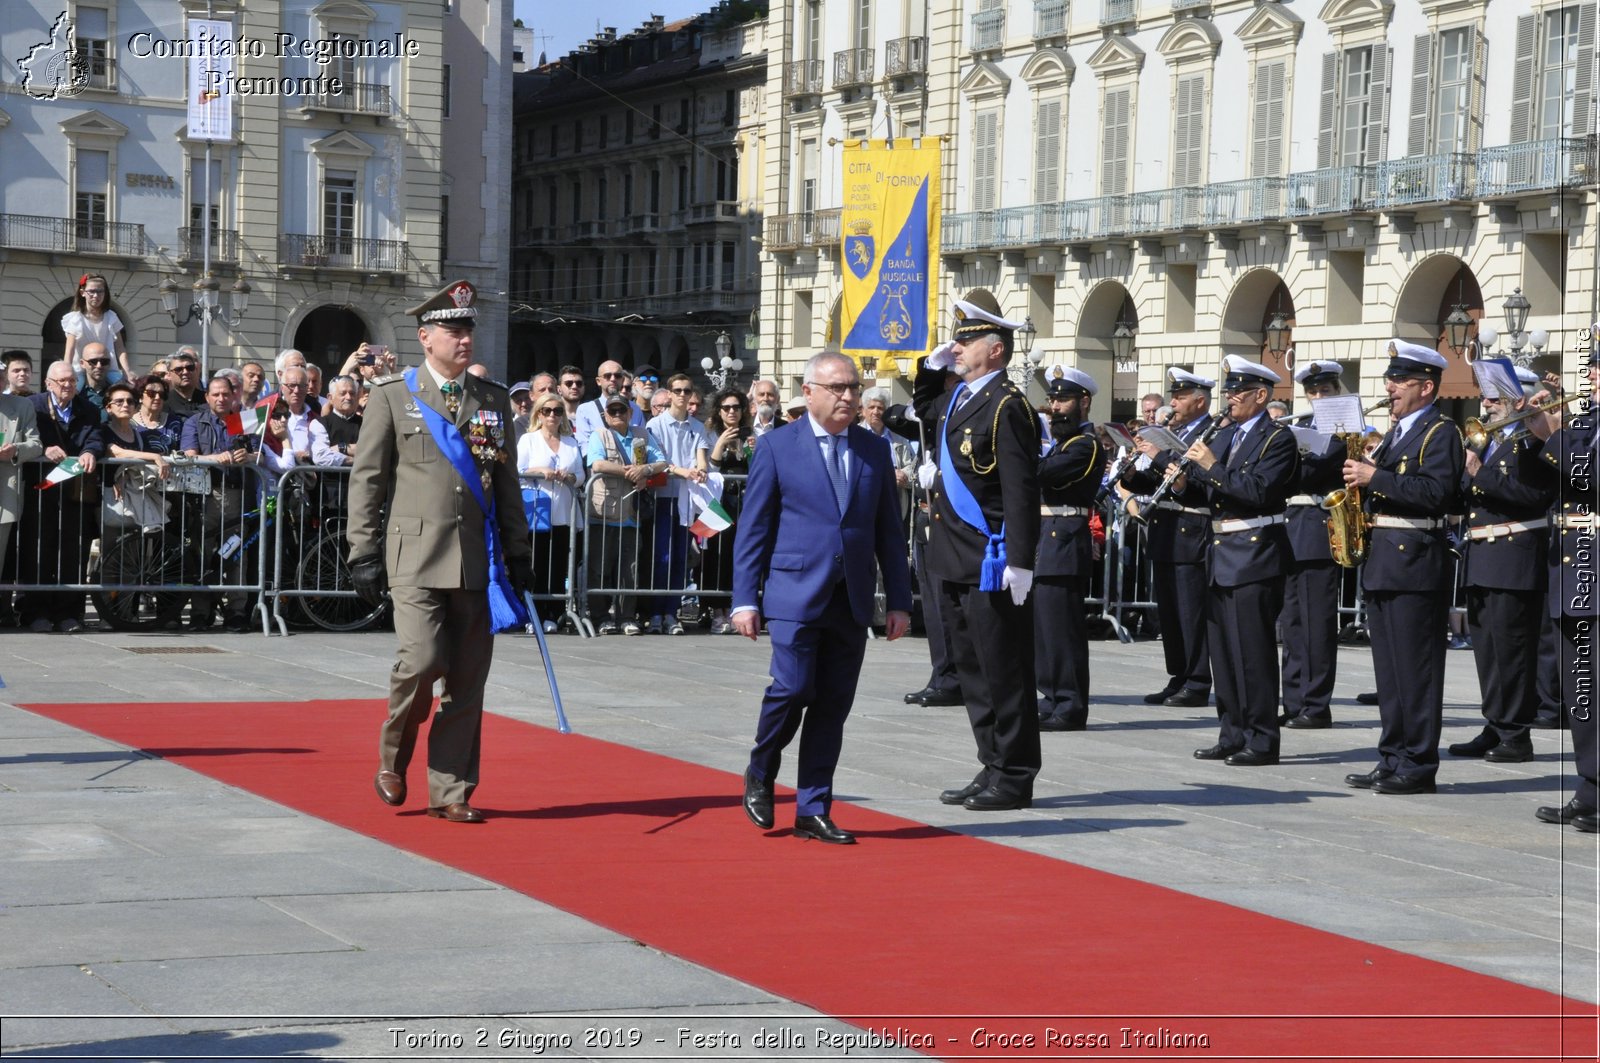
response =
{"points": [[1165, 487]]}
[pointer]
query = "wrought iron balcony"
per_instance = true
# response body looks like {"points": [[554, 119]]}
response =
{"points": [[718, 210], [1426, 179], [1253, 200], [1535, 166], [791, 232], [1190, 7], [1049, 19], [357, 97], [852, 68], [341, 252], [1338, 190], [905, 56], [803, 77], [31, 232], [1118, 12], [224, 244], [989, 30]]}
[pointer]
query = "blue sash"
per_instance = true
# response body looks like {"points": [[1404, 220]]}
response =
{"points": [[505, 611], [991, 574]]}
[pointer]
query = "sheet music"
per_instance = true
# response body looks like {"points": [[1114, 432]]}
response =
{"points": [[1163, 438], [1337, 413], [1310, 441], [1119, 433]]}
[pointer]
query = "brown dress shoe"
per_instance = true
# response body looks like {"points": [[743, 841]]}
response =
{"points": [[460, 812], [391, 787]]}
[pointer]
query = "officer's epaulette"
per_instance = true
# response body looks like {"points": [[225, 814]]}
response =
{"points": [[382, 380], [496, 383]]}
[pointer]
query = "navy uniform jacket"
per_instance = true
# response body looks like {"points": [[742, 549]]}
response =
{"points": [[1174, 537], [1419, 478], [1571, 453], [1308, 525], [1254, 482], [1069, 475], [1514, 485], [1001, 469]]}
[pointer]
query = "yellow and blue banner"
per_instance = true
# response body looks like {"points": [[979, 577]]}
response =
{"points": [[889, 229]]}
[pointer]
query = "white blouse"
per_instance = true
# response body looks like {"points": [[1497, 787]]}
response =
{"points": [[533, 453], [105, 331]]}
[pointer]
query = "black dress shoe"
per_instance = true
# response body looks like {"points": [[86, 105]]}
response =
{"points": [[1565, 814], [941, 697], [1546, 722], [1061, 723], [1252, 758], [1588, 822], [1367, 699], [956, 797], [757, 801], [822, 829], [1517, 750], [916, 696], [991, 800], [1161, 695], [1284, 718], [1487, 739], [1366, 780], [391, 787], [1188, 698], [1309, 723], [1216, 752], [1405, 785]]}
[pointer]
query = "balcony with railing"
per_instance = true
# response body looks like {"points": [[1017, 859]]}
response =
{"points": [[1426, 179], [989, 30], [341, 252], [1535, 166], [1334, 191], [1190, 7], [1118, 13], [712, 212], [852, 68], [1254, 200], [905, 57], [803, 77], [224, 244], [792, 232], [356, 97], [32, 232], [1049, 19]]}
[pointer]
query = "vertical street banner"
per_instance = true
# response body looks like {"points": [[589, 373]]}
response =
{"points": [[889, 232], [210, 67]]}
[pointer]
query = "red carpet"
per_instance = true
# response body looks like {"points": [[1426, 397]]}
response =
{"points": [[912, 923]]}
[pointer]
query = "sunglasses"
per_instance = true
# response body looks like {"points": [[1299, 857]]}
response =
{"points": [[735, 408], [97, 361], [682, 391], [185, 368], [155, 393], [648, 379], [572, 383], [609, 376], [123, 401], [552, 411]]}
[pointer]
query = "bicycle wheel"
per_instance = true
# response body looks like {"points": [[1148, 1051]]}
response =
{"points": [[135, 559], [323, 568]]}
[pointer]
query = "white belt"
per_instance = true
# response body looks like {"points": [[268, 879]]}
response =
{"points": [[1305, 500], [1387, 520], [1183, 509], [1063, 511], [1246, 523], [1491, 532], [1572, 521]]}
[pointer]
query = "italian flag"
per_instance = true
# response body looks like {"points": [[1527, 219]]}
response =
{"points": [[62, 473], [250, 421], [712, 519]]}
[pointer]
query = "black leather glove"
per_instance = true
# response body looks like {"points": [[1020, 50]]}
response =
{"points": [[368, 576], [521, 575]]}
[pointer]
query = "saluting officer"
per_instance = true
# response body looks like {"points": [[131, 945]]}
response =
{"points": [[433, 473], [1508, 489], [985, 535], [1573, 600], [1246, 477], [1413, 478], [1177, 540], [1310, 618], [1069, 479]]}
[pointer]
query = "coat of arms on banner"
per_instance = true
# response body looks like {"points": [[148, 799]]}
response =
{"points": [[859, 249]]}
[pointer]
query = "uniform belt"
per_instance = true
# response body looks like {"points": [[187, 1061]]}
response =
{"points": [[1389, 520], [1305, 500], [1491, 532], [1572, 521], [1063, 511], [1183, 509], [1246, 523]]}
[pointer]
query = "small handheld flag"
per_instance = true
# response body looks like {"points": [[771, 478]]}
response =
{"points": [[62, 473]]}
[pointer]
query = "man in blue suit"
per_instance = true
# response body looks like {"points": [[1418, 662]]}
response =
{"points": [[820, 504]]}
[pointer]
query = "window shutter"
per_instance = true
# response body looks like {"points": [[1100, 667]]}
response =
{"points": [[1266, 128], [1114, 143], [984, 151], [1378, 105], [1583, 123], [1047, 151], [1421, 97], [1480, 75], [1328, 111], [1189, 127], [1522, 81]]}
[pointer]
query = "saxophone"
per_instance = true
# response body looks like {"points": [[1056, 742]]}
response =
{"points": [[1349, 528]]}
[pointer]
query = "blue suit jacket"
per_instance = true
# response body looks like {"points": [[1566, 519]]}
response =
{"points": [[792, 547]]}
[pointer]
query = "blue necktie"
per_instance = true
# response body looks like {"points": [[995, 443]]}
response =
{"points": [[841, 483]]}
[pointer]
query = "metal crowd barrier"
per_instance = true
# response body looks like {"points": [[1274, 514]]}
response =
{"points": [[311, 585]]}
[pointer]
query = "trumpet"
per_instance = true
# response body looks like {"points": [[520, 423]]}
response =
{"points": [[1478, 434], [1136, 513]]}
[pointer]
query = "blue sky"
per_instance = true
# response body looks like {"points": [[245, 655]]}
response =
{"points": [[570, 24]]}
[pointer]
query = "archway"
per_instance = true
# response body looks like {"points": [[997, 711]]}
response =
{"points": [[1107, 305], [328, 334], [1435, 287]]}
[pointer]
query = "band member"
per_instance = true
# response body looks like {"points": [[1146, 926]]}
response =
{"points": [[1069, 479], [1176, 539], [1310, 618], [985, 536], [1572, 453], [1246, 477], [1412, 479], [1508, 489]]}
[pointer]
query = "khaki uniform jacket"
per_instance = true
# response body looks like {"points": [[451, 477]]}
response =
{"points": [[19, 425], [403, 486]]}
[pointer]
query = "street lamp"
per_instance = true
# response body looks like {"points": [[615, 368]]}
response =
{"points": [[205, 302], [1122, 340], [1024, 367], [1277, 334], [1517, 309], [1458, 328], [726, 366]]}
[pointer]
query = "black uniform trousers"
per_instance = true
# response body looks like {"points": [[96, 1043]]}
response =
{"points": [[992, 639], [1505, 643], [940, 655], [1408, 650], [1180, 592], [1239, 624], [1579, 701], [1310, 638], [1061, 648], [1549, 673]]}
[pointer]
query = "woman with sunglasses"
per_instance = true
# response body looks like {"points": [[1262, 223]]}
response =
{"points": [[551, 468], [730, 455], [124, 437], [159, 427], [91, 320]]}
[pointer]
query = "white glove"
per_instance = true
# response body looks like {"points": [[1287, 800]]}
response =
{"points": [[943, 356], [925, 474], [1019, 581]]}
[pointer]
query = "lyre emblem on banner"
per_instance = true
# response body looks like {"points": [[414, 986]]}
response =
{"points": [[859, 248], [894, 320]]}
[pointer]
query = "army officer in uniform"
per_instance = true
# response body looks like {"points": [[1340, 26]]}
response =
{"points": [[433, 473]]}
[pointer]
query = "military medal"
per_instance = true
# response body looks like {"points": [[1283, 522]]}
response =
{"points": [[1402, 469], [966, 444]]}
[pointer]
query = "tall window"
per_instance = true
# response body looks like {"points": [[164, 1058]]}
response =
{"points": [[627, 194], [204, 188], [1266, 120], [1453, 94], [577, 202], [808, 175], [1046, 151], [683, 188], [655, 192], [861, 24], [1116, 128], [91, 30], [985, 149], [1558, 77], [444, 93], [1188, 132], [91, 178], [813, 29], [1355, 113], [728, 272], [444, 228], [1552, 81], [339, 213]]}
